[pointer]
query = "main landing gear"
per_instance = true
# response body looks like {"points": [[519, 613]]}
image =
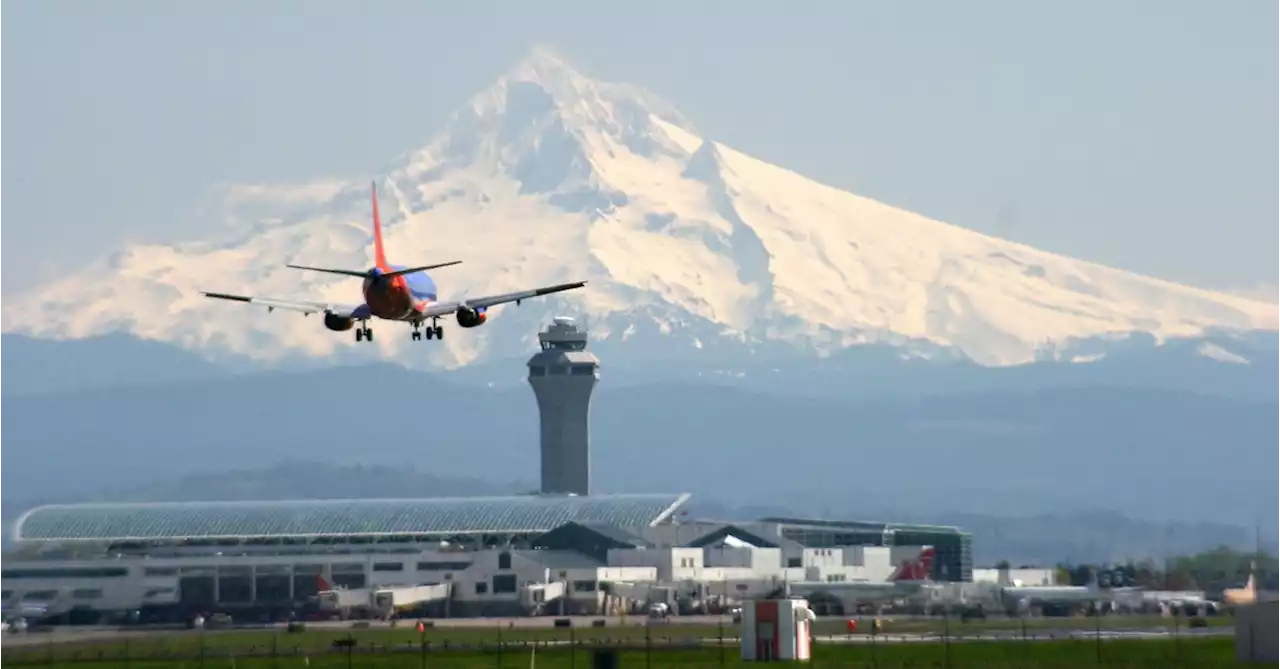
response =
{"points": [[364, 333], [433, 331]]}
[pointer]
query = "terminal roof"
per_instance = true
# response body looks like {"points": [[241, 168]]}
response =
{"points": [[339, 518], [862, 525]]}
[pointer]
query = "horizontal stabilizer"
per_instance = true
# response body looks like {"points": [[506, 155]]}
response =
{"points": [[411, 270], [345, 272], [387, 275]]}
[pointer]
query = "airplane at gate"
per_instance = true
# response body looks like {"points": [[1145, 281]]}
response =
{"points": [[396, 293], [910, 577]]}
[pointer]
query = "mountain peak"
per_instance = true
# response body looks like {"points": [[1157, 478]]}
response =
{"points": [[549, 175], [543, 64], [547, 126]]}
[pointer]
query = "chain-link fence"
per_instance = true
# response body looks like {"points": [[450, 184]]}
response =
{"points": [[835, 643]]}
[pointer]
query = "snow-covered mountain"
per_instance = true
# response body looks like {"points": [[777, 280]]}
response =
{"points": [[690, 247]]}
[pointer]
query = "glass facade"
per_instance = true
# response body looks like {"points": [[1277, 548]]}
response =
{"points": [[953, 549]]}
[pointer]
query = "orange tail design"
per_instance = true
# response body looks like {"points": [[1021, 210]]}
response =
{"points": [[379, 256], [918, 569]]}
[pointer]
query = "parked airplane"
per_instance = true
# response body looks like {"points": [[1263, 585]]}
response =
{"points": [[1246, 595], [396, 293], [908, 578]]}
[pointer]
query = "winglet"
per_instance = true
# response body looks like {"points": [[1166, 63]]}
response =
{"points": [[379, 256]]}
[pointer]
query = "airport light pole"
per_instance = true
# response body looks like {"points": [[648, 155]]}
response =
{"points": [[946, 634], [648, 644], [1097, 632], [422, 645], [499, 643]]}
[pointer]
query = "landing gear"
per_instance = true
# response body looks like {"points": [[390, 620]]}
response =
{"points": [[432, 332], [364, 334]]}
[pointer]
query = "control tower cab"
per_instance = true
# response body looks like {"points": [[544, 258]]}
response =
{"points": [[563, 374]]}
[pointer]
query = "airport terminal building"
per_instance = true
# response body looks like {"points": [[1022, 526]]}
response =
{"points": [[556, 552]]}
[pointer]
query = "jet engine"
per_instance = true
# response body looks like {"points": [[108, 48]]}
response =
{"points": [[470, 318], [338, 323]]}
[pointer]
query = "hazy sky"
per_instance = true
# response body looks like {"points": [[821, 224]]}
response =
{"points": [[1137, 134]]}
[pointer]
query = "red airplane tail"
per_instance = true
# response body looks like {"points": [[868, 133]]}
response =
{"points": [[322, 585], [919, 569], [379, 255]]}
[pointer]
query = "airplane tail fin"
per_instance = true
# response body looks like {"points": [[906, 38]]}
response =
{"points": [[919, 569], [379, 254], [384, 268], [322, 585]]}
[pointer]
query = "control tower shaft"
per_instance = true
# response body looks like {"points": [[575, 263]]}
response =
{"points": [[563, 374]]}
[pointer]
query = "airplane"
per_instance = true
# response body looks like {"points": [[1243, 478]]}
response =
{"points": [[395, 293], [909, 577], [1245, 595]]}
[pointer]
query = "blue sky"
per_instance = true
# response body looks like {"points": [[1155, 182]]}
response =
{"points": [[1139, 134]]}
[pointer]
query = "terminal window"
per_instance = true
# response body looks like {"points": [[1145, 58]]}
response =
{"points": [[68, 572], [504, 583], [443, 566]]}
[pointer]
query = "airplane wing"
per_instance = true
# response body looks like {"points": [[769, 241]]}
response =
{"points": [[304, 307], [446, 308]]}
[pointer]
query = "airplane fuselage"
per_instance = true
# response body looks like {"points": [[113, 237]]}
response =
{"points": [[399, 298]]}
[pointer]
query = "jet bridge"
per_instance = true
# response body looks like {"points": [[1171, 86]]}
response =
{"points": [[382, 602]]}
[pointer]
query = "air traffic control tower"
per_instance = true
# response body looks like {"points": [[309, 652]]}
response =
{"points": [[563, 374]]}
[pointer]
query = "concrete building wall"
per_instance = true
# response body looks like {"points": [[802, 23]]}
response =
{"points": [[672, 564], [746, 556]]}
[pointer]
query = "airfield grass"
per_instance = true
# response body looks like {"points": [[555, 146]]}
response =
{"points": [[666, 646], [660, 634], [1198, 652]]}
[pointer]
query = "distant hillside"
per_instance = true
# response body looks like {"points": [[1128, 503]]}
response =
{"points": [[1209, 365], [35, 366], [1045, 539], [1206, 365], [1157, 454], [311, 480]]}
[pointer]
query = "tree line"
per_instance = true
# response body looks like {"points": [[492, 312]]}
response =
{"points": [[1211, 571]]}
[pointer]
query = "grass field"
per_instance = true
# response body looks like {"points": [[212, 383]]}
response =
{"points": [[1154, 654], [659, 633], [659, 646]]}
